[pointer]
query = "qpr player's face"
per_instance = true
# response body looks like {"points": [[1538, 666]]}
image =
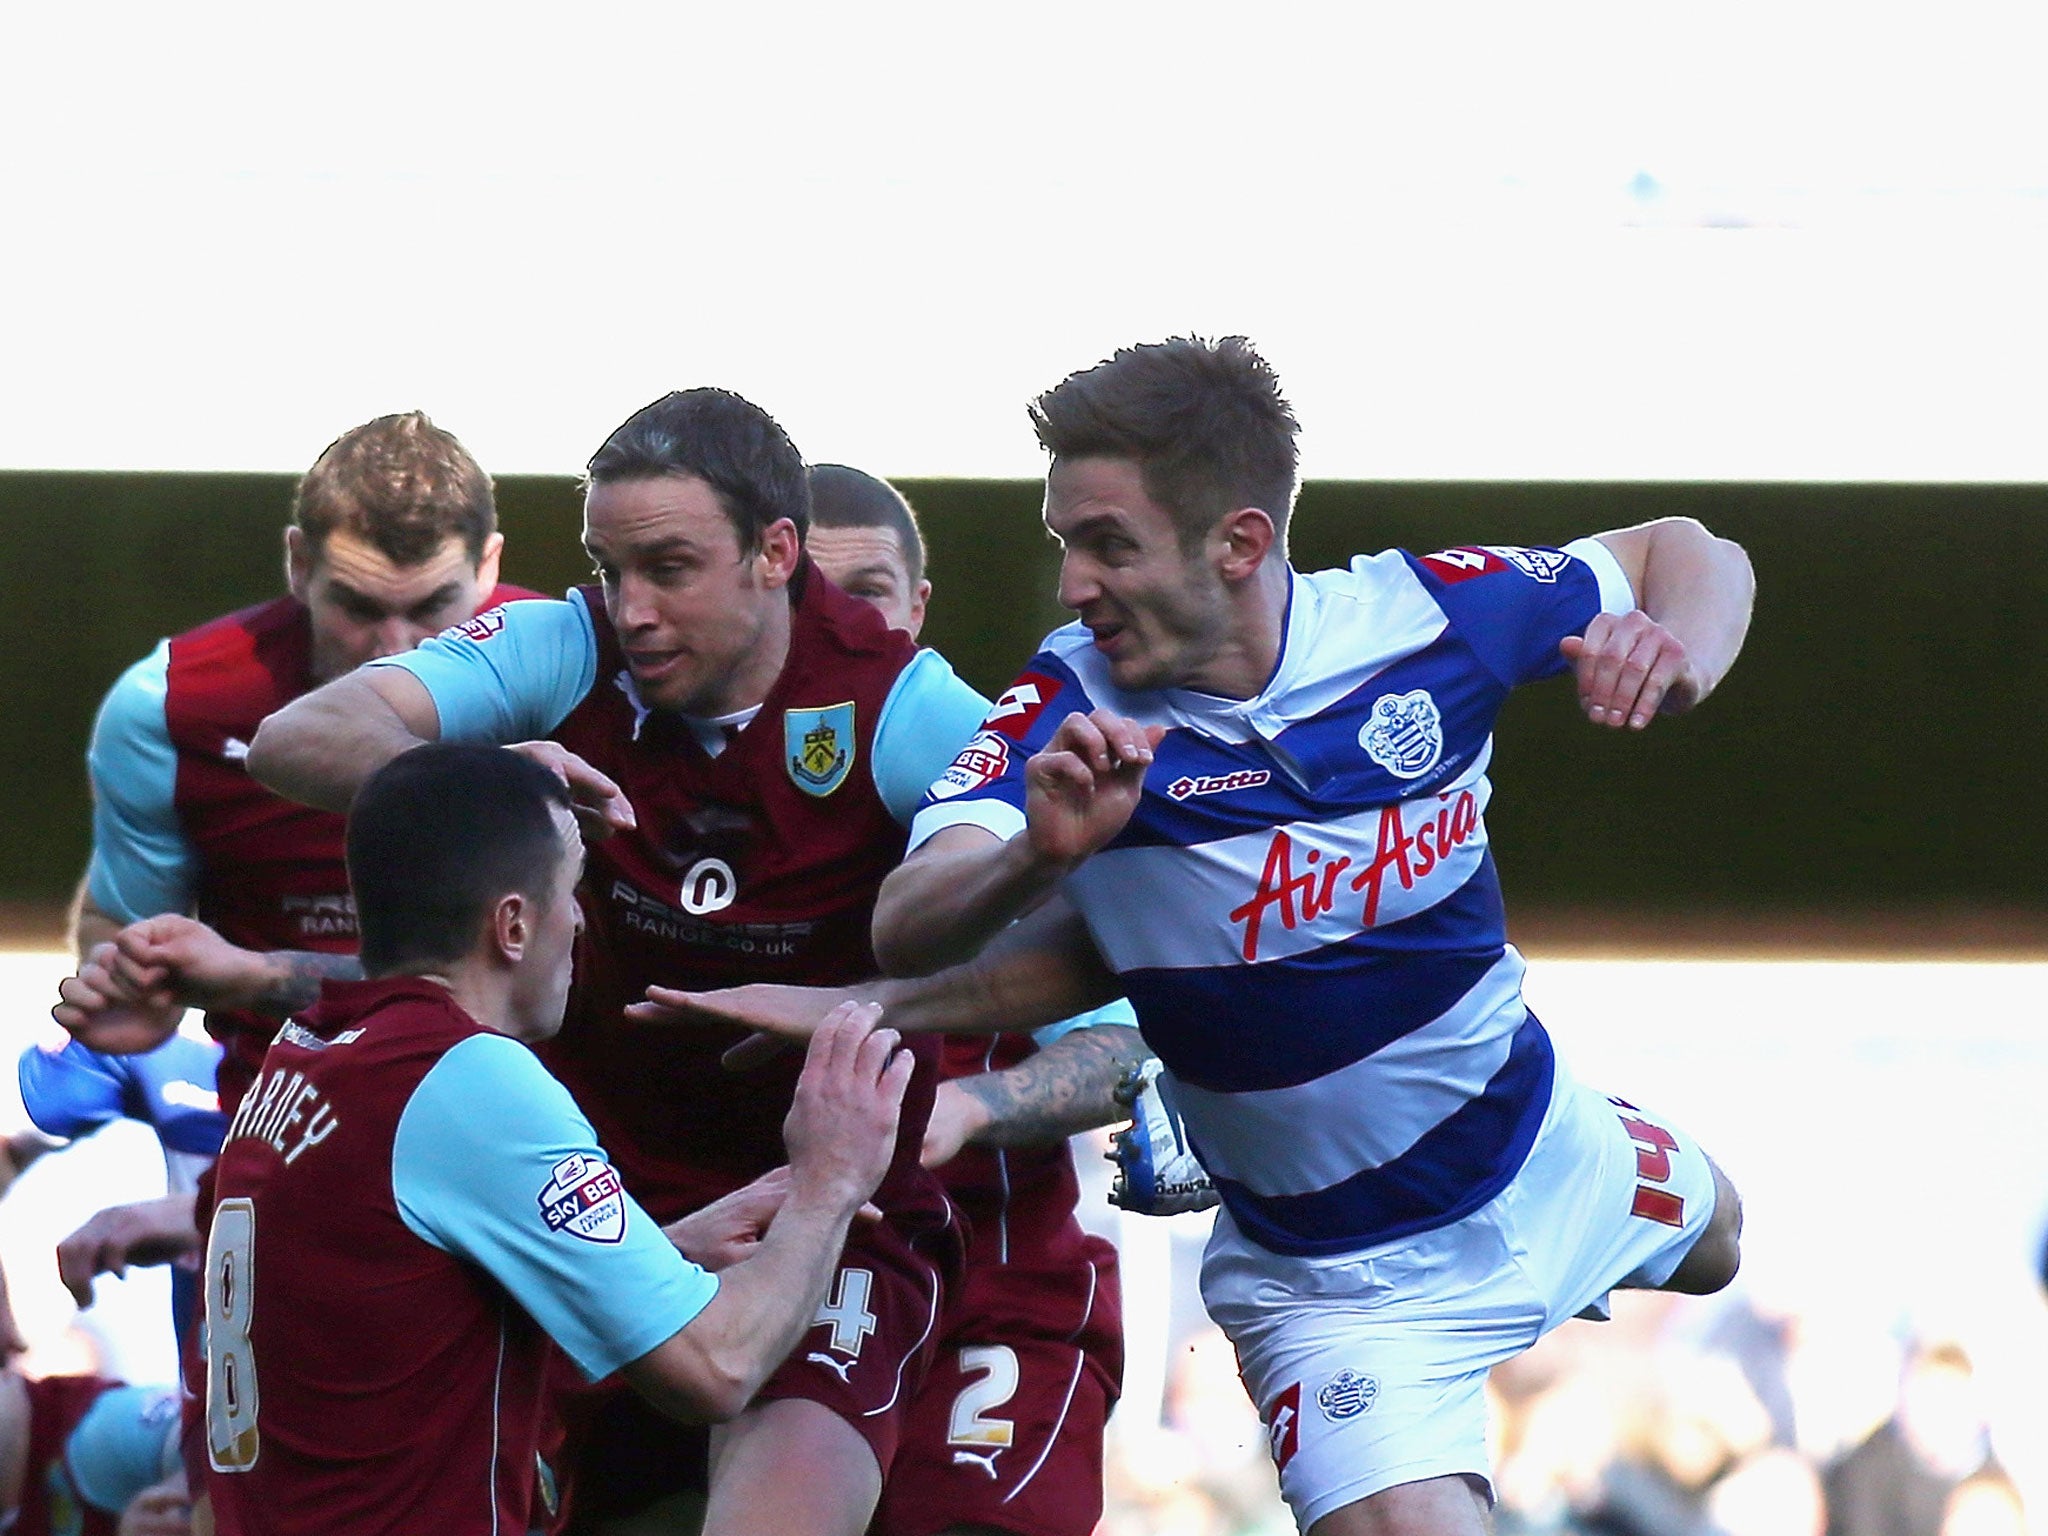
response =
{"points": [[696, 614], [1159, 615]]}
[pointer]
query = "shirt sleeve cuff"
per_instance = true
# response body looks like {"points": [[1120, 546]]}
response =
{"points": [[1616, 595], [677, 1305], [999, 817]]}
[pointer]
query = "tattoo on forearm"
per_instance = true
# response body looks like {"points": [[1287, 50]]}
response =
{"points": [[1067, 1088], [298, 973]]}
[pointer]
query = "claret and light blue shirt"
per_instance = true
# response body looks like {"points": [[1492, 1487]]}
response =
{"points": [[537, 660], [488, 1150]]}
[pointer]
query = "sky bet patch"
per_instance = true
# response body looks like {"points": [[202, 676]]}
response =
{"points": [[585, 1199]]}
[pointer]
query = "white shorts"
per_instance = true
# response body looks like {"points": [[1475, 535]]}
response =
{"points": [[1369, 1368]]}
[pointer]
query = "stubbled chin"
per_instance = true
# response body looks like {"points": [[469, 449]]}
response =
{"points": [[662, 693]]}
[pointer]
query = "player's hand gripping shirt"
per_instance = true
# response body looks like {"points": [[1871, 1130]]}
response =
{"points": [[1303, 909]]}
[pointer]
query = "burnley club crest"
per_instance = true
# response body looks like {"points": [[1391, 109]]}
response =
{"points": [[817, 746]]}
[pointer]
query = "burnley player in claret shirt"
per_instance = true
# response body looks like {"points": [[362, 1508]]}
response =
{"points": [[410, 1214], [755, 741]]}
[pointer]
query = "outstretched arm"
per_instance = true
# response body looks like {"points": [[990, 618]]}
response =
{"points": [[320, 748], [159, 1231], [1042, 969], [1062, 1090], [964, 886], [1693, 598], [155, 969]]}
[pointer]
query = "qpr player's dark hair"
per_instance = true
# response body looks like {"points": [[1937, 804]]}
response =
{"points": [[729, 443], [436, 837], [1203, 419], [845, 497]]}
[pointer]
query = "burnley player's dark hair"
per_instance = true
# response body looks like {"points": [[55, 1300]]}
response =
{"points": [[1203, 419], [400, 484], [729, 443], [436, 838], [845, 497]]}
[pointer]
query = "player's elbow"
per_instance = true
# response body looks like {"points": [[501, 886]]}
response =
{"points": [[1686, 543], [698, 1380], [716, 1398], [273, 749]]}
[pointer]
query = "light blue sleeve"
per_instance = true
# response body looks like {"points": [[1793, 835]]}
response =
{"points": [[926, 720], [1118, 1012], [494, 1163], [142, 863], [72, 1092], [512, 673], [127, 1440]]}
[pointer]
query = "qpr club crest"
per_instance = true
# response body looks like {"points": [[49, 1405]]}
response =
{"points": [[585, 1198], [1346, 1395], [1404, 734], [817, 747]]}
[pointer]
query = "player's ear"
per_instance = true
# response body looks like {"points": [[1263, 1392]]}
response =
{"points": [[781, 547], [511, 927], [487, 564], [1244, 538], [298, 561], [917, 607]]}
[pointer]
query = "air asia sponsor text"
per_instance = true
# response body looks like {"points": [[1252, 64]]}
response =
{"points": [[1304, 897]]}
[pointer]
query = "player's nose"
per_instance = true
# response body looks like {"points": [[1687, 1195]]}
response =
{"points": [[635, 604], [1078, 586], [394, 637]]}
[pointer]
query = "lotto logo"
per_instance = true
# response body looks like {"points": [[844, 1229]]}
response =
{"points": [[585, 1199], [1217, 783], [1021, 705], [482, 627]]}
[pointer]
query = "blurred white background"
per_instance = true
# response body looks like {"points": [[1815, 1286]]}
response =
{"points": [[1744, 241]]}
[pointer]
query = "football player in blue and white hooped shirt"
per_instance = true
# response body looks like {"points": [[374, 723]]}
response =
{"points": [[1254, 801]]}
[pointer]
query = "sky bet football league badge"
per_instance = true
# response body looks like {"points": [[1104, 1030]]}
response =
{"points": [[817, 744], [586, 1199]]}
